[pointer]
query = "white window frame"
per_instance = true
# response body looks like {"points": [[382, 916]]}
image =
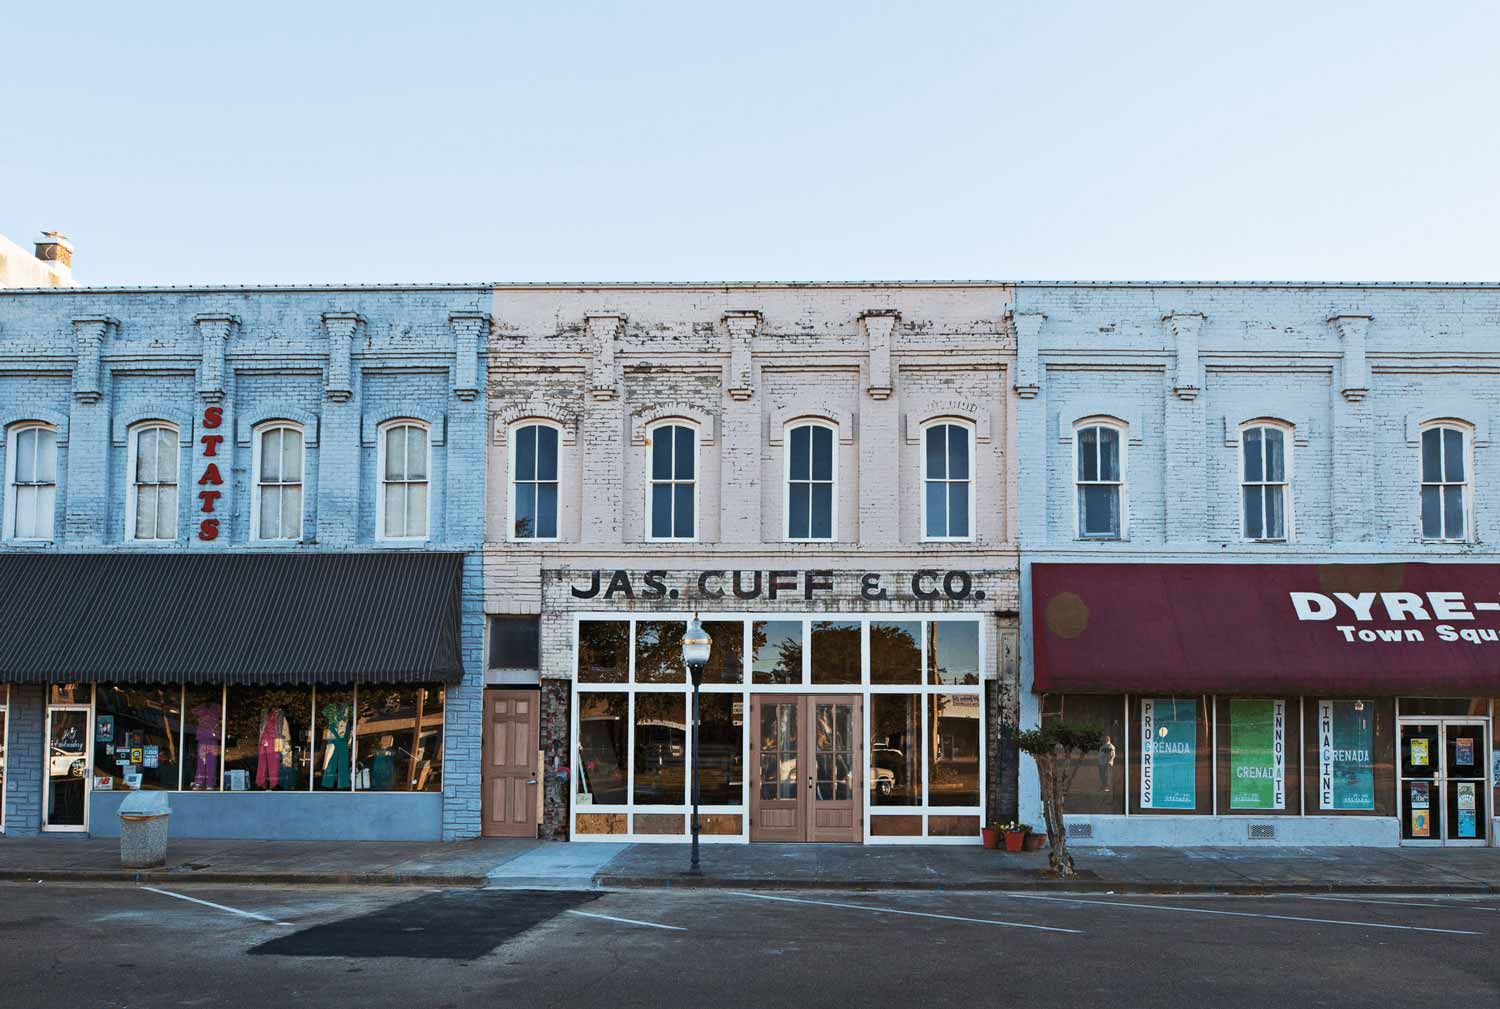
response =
{"points": [[12, 436], [972, 480], [380, 481], [131, 486], [786, 481], [697, 480], [510, 513], [1466, 431], [1288, 525], [256, 438], [1122, 436]]}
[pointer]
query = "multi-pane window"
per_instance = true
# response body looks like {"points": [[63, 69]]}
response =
{"points": [[1445, 480], [947, 501], [810, 483], [1264, 482], [153, 483], [674, 467], [534, 482], [31, 491], [1099, 482], [278, 483], [403, 482]]}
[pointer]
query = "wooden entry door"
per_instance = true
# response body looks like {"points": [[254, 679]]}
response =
{"points": [[805, 777], [510, 778]]}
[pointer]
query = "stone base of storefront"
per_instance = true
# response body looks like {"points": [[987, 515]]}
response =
{"points": [[1196, 831], [294, 816]]}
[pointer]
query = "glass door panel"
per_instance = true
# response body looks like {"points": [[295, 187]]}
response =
{"points": [[67, 767], [777, 798], [1466, 760], [1421, 750]]}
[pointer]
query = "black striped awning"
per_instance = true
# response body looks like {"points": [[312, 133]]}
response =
{"points": [[389, 617]]}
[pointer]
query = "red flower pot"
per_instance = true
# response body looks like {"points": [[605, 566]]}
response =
{"points": [[1036, 842], [1014, 840], [991, 836]]}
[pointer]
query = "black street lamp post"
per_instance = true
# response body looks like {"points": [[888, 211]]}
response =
{"points": [[695, 649]]}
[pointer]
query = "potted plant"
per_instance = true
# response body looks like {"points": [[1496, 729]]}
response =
{"points": [[1035, 841], [1015, 835], [991, 835]]}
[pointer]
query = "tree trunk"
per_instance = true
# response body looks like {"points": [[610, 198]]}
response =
{"points": [[1055, 780]]}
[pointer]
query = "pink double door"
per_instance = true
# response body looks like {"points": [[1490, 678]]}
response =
{"points": [[806, 762]]}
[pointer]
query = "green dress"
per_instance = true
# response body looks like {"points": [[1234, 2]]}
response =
{"points": [[336, 737]]}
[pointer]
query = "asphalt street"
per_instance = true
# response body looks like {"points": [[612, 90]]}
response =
{"points": [[88, 946]]}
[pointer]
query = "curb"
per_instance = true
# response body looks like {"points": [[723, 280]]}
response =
{"points": [[246, 878], [1091, 886]]}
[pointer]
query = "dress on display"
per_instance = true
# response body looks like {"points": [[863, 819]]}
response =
{"points": [[273, 758], [207, 731], [336, 746]]}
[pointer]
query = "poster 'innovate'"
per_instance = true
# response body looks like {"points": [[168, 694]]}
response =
{"points": [[1257, 754]]}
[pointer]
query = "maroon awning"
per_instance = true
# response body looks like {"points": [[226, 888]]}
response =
{"points": [[1267, 628]]}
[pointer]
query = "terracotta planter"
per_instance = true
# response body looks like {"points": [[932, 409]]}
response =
{"points": [[1014, 840], [1036, 842], [991, 837]]}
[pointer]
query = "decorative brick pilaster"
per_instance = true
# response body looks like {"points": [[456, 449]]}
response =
{"points": [[1187, 379], [470, 331], [603, 332], [1354, 383], [742, 328], [89, 336], [558, 769], [216, 330], [1028, 328], [879, 324], [342, 327]]}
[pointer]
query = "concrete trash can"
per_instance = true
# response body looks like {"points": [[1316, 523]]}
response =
{"points": [[143, 829]]}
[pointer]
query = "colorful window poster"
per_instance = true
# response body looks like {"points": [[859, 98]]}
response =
{"points": [[1463, 751], [1346, 741], [1421, 817], [1257, 754], [1467, 823], [1169, 754], [1419, 794], [1419, 753], [104, 729], [150, 756]]}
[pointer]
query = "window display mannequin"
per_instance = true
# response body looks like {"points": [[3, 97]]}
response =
{"points": [[274, 754], [207, 730], [383, 766], [338, 727]]}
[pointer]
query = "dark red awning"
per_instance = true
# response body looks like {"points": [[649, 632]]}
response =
{"points": [[1267, 628]]}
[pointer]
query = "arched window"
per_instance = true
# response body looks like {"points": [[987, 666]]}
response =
{"points": [[276, 508], [534, 481], [402, 505], [947, 481], [1265, 482], [672, 507], [1100, 481], [30, 482], [1445, 482], [151, 498], [811, 482]]}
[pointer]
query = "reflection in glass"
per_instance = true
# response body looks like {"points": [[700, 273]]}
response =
{"points": [[603, 651], [895, 652], [726, 656], [136, 732], [895, 750], [835, 651], [953, 652], [267, 737], [835, 751], [721, 762], [778, 651], [601, 748], [953, 750], [658, 651], [399, 740], [67, 765], [202, 738], [660, 748], [778, 751], [1098, 776]]}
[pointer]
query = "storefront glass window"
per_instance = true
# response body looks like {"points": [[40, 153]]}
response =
{"points": [[399, 740], [333, 730], [895, 750], [136, 737], [953, 749], [1448, 707], [202, 738], [603, 729], [658, 651], [1349, 756], [1175, 775], [778, 651], [1258, 755], [267, 737], [1098, 775], [953, 652], [660, 749], [721, 738], [603, 651], [835, 651], [69, 693], [726, 656], [895, 652]]}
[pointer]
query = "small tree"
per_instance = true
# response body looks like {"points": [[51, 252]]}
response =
{"points": [[1051, 746]]}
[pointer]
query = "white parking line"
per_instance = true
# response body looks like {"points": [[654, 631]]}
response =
{"points": [[626, 921], [1241, 914], [1401, 903], [914, 914], [218, 907]]}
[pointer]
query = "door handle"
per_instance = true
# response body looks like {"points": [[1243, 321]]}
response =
{"points": [[531, 781]]}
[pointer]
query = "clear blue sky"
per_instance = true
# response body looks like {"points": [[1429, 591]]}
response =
{"points": [[271, 143]]}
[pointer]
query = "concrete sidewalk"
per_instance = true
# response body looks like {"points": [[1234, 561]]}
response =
{"points": [[525, 864]]}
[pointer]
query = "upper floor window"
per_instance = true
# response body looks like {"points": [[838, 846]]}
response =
{"points": [[402, 504], [533, 488], [1445, 483], [947, 498], [151, 504], [30, 482], [673, 508], [276, 512], [810, 481], [1264, 488], [1099, 482]]}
